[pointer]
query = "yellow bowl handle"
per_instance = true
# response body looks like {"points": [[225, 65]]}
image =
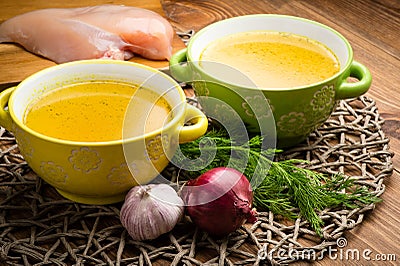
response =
{"points": [[5, 117], [195, 130]]}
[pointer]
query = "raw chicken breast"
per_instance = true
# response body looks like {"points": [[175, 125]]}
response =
{"points": [[105, 31]]}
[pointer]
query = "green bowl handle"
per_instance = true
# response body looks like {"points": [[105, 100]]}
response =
{"points": [[354, 89], [178, 66], [5, 117]]}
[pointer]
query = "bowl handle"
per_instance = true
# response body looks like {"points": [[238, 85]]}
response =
{"points": [[195, 130], [5, 117], [178, 66], [354, 89]]}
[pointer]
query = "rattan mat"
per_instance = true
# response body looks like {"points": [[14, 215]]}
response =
{"points": [[39, 227]]}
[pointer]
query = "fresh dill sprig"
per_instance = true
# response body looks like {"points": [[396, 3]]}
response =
{"points": [[279, 186]]}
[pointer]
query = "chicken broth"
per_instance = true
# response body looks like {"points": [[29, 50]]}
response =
{"points": [[97, 111], [274, 59]]}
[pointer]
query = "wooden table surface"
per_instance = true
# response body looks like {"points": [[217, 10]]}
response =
{"points": [[16, 63], [371, 26], [373, 29]]}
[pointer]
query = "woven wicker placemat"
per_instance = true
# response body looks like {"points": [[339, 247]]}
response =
{"points": [[39, 227]]}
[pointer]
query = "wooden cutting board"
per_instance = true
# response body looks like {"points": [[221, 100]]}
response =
{"points": [[16, 63]]}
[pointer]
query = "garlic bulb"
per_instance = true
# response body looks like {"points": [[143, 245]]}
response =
{"points": [[150, 211]]}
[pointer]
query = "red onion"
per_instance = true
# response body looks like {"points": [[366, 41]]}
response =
{"points": [[219, 201]]}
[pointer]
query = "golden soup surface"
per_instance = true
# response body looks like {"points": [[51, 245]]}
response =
{"points": [[95, 111], [274, 59]]}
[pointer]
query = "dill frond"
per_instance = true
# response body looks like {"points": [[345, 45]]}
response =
{"points": [[278, 186]]}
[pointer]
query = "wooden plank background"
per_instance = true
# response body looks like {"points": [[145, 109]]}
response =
{"points": [[16, 63], [371, 26], [373, 29]]}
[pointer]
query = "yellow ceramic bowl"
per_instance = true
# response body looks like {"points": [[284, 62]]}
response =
{"points": [[99, 172]]}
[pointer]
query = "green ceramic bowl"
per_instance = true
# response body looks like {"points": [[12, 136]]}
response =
{"points": [[296, 111]]}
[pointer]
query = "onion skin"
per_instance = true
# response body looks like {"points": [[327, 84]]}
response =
{"points": [[231, 199]]}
